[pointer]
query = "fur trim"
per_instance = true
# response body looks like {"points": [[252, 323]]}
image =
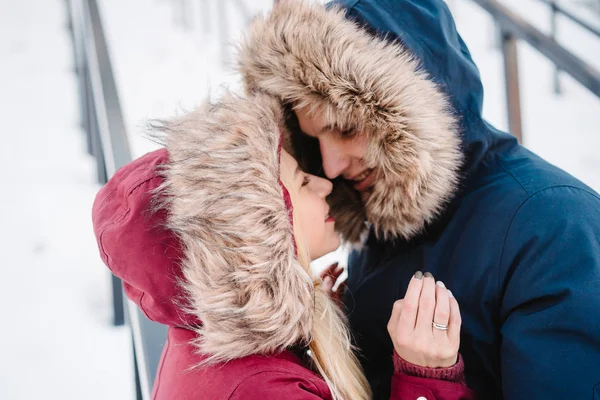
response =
{"points": [[306, 55], [225, 202]]}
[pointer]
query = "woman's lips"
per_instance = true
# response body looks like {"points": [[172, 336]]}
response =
{"points": [[329, 219], [366, 182]]}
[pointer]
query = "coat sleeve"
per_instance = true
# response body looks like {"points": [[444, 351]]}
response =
{"points": [[550, 297], [411, 382], [405, 387]]}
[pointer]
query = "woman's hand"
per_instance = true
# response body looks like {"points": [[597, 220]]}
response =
{"points": [[330, 276], [418, 321]]}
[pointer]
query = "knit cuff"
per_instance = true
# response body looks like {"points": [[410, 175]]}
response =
{"points": [[455, 373]]}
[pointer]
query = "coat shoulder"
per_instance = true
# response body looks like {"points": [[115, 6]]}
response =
{"points": [[279, 381], [506, 183], [534, 174], [253, 377]]}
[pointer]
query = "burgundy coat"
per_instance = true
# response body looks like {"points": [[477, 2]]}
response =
{"points": [[145, 256]]}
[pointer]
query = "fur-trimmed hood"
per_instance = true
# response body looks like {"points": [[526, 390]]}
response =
{"points": [[306, 54], [238, 283], [233, 215]]}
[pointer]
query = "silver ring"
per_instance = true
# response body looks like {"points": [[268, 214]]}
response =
{"points": [[441, 327]]}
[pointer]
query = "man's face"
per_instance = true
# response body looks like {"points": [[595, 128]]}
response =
{"points": [[342, 151]]}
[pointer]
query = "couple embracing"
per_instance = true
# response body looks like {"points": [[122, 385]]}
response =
{"points": [[475, 270]]}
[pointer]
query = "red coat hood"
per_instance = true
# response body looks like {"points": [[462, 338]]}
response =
{"points": [[134, 244], [220, 248]]}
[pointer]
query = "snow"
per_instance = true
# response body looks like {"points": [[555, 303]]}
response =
{"points": [[55, 291], [57, 339]]}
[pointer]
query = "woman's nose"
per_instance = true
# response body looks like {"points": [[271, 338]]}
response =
{"points": [[335, 161], [324, 186]]}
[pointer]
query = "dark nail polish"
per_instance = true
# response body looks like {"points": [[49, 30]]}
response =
{"points": [[428, 275], [418, 275]]}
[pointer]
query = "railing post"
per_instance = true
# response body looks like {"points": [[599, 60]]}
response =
{"points": [[205, 15], [181, 15], [223, 31], [553, 34], [85, 96], [118, 301], [138, 384], [511, 72]]}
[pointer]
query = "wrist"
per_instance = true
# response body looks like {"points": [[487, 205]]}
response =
{"points": [[454, 373]]}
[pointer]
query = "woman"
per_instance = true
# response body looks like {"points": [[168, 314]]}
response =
{"points": [[223, 260]]}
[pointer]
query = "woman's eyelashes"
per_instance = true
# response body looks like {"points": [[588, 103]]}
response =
{"points": [[305, 180]]}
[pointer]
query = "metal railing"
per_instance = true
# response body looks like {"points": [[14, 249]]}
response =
{"points": [[556, 10], [513, 28], [183, 17], [101, 115], [103, 123]]}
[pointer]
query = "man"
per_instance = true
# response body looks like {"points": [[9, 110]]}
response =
{"points": [[389, 102]]}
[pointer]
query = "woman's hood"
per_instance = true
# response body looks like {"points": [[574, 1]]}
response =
{"points": [[214, 251], [309, 55]]}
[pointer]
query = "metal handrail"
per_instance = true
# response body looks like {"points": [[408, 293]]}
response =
{"points": [[107, 140], [512, 28], [100, 107], [557, 8]]}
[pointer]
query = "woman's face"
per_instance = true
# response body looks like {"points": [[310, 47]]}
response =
{"points": [[311, 211]]}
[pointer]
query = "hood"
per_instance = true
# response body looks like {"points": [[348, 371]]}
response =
{"points": [[215, 251], [396, 71]]}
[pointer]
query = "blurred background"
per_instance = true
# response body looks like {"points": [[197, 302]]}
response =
{"points": [[80, 78]]}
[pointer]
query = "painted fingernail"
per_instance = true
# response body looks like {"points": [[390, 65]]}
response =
{"points": [[428, 275], [440, 284], [450, 294], [418, 275]]}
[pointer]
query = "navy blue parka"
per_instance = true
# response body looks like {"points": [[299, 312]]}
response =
{"points": [[519, 244]]}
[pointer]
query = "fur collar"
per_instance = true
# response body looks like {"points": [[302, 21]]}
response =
{"points": [[225, 203], [304, 54]]}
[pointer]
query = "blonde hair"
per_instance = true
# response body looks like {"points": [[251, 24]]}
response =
{"points": [[331, 349]]}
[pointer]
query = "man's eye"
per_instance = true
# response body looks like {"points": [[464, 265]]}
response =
{"points": [[347, 132], [306, 180]]}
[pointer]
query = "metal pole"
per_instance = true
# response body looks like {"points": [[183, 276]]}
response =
{"points": [[186, 15], [223, 31], [553, 29], [496, 35], [118, 305], [180, 15], [85, 96], [136, 371], [511, 72], [205, 16]]}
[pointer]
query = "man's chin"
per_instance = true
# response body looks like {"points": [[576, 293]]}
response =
{"points": [[367, 183]]}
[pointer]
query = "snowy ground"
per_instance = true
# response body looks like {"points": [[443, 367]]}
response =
{"points": [[55, 292], [56, 335]]}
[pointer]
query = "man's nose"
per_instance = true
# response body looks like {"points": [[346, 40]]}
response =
{"points": [[335, 161]]}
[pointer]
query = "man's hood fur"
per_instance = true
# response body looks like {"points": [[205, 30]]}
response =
{"points": [[226, 204], [307, 55]]}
